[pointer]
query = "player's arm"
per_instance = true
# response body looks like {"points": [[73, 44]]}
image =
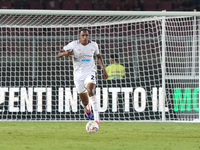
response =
{"points": [[67, 53], [100, 61]]}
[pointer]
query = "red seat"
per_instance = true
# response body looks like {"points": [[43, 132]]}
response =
{"points": [[165, 5], [5, 4], [177, 5], [131, 2], [149, 5], [69, 5], [115, 4], [85, 5], [34, 5]]}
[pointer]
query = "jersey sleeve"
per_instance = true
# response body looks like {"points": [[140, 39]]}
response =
{"points": [[96, 48], [68, 46]]}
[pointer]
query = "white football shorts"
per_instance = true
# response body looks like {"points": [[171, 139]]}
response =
{"points": [[82, 83]]}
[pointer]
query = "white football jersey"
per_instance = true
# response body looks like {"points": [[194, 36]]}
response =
{"points": [[83, 59]]}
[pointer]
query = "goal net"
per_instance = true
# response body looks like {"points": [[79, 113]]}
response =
{"points": [[160, 54]]}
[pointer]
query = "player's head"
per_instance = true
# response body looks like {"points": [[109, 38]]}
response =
{"points": [[114, 58], [84, 36]]}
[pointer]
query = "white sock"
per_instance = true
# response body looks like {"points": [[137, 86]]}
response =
{"points": [[95, 106]]}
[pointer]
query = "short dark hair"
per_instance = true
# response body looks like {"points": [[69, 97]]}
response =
{"points": [[115, 57], [83, 29]]}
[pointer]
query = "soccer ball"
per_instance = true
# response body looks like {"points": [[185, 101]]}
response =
{"points": [[92, 127]]}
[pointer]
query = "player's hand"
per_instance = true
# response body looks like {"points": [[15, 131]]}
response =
{"points": [[60, 54], [62, 50], [105, 75], [69, 53]]}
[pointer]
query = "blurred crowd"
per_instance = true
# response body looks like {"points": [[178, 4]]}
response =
{"points": [[134, 5]]}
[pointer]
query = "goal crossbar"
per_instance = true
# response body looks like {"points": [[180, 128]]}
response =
{"points": [[101, 13]]}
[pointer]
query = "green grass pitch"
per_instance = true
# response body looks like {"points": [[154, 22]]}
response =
{"points": [[111, 135]]}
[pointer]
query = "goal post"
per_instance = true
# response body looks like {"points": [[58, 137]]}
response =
{"points": [[159, 50]]}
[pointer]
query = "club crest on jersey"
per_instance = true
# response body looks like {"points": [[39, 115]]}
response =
{"points": [[91, 50], [78, 50], [80, 55]]}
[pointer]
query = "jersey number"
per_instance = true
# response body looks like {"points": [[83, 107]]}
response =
{"points": [[92, 77]]}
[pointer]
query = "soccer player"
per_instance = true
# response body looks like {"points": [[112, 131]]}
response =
{"points": [[82, 51]]}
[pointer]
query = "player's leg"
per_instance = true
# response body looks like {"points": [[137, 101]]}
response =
{"points": [[84, 97], [92, 98], [85, 104]]}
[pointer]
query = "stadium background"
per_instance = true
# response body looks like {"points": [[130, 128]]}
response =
{"points": [[18, 54], [134, 5]]}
